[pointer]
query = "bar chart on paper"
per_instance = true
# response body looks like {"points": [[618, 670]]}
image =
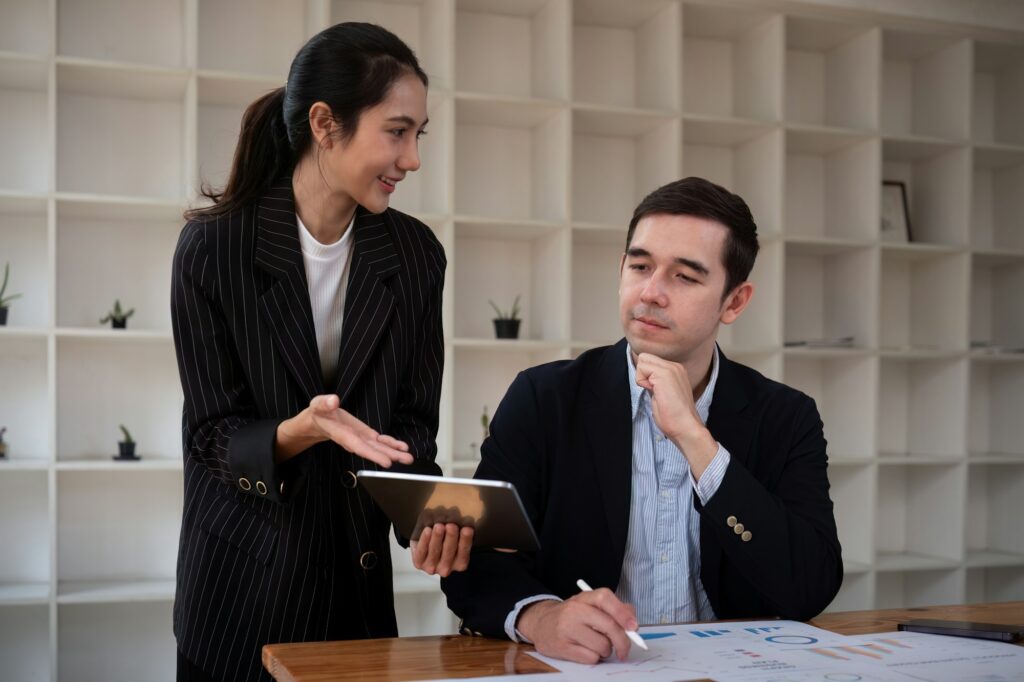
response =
{"points": [[788, 651]]}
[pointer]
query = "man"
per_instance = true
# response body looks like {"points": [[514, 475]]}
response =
{"points": [[668, 477]]}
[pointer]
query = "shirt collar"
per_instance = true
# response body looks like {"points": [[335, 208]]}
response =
{"points": [[636, 393]]}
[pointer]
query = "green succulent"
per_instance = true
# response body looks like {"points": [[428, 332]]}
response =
{"points": [[5, 299], [117, 314], [127, 435], [512, 315]]}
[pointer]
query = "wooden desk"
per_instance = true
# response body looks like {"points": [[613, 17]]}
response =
{"points": [[431, 658]]}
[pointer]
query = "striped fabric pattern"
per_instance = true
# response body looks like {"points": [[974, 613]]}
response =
{"points": [[661, 569], [311, 562]]}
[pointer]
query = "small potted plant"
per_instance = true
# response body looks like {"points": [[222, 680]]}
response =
{"points": [[485, 422], [117, 317], [5, 298], [3, 443], [506, 325], [126, 447]]}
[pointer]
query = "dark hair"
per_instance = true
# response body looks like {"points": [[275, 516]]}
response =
{"points": [[350, 67], [702, 198]]}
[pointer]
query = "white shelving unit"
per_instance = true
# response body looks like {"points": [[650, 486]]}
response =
{"points": [[550, 119]]}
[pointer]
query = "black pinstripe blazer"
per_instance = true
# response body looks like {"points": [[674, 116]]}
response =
{"points": [[296, 552]]}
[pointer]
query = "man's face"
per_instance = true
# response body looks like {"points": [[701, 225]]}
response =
{"points": [[671, 282]]}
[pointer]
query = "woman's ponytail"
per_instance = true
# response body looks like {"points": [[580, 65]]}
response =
{"points": [[262, 154]]}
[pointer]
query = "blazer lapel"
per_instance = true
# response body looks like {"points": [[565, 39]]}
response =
{"points": [[285, 305], [369, 302], [607, 415], [726, 420]]}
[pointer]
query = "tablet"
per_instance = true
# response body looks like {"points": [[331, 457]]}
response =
{"points": [[492, 508]]}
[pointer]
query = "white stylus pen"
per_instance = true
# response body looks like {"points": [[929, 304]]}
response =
{"points": [[632, 634]]}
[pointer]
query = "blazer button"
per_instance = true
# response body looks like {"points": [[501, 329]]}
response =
{"points": [[348, 479], [261, 487], [368, 560], [244, 484], [738, 528], [746, 536], [281, 488], [731, 521]]}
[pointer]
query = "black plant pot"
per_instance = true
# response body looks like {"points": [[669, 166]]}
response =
{"points": [[118, 324], [126, 450], [3, 316], [506, 329]]}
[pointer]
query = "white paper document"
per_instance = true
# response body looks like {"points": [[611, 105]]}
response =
{"points": [[789, 651]]}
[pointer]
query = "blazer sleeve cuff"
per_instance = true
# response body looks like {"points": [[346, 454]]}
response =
{"points": [[251, 460]]}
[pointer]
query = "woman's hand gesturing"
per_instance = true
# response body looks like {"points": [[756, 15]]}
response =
{"points": [[325, 420]]}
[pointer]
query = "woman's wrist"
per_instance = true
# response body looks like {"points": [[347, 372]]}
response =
{"points": [[294, 435]]}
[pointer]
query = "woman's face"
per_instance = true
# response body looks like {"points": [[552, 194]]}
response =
{"points": [[369, 165]]}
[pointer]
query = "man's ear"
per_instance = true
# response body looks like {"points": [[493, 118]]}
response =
{"points": [[321, 124], [736, 302]]}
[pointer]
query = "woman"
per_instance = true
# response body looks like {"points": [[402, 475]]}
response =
{"points": [[307, 324]]}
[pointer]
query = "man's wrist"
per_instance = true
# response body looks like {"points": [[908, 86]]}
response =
{"points": [[529, 616], [699, 447]]}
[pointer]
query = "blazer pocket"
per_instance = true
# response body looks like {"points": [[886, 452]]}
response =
{"points": [[241, 528]]}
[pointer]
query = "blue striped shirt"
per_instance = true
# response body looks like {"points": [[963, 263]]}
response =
{"points": [[661, 568]]}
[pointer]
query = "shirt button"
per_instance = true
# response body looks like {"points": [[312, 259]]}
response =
{"points": [[664, 557], [665, 493], [664, 620], [659, 438]]}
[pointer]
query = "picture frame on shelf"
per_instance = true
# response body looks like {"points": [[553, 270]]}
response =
{"points": [[895, 227]]}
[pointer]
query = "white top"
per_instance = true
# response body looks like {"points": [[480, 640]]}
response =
{"points": [[327, 275]]}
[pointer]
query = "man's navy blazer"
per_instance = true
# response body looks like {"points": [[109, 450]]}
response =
{"points": [[563, 436]]}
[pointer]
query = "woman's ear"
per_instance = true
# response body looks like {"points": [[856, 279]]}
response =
{"points": [[321, 123]]}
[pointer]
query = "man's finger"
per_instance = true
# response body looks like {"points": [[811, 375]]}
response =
{"points": [[589, 630], [604, 624], [580, 654], [623, 614]]}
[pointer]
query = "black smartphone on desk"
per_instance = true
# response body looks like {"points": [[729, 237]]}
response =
{"points": [[963, 628]]}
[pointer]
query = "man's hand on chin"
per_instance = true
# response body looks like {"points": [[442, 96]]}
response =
{"points": [[674, 410]]}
